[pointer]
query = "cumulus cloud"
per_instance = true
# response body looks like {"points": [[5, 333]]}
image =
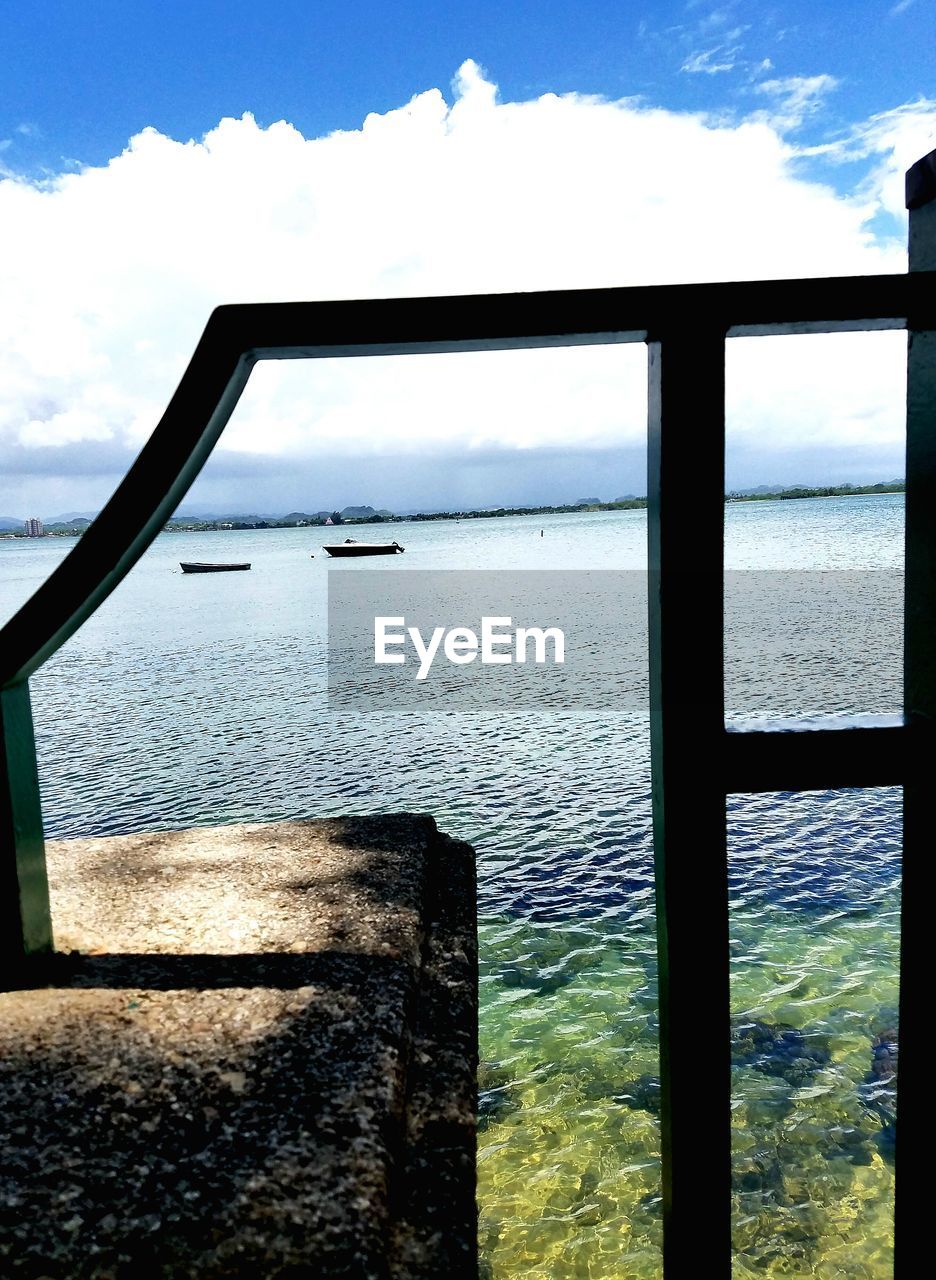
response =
{"points": [[117, 267]]}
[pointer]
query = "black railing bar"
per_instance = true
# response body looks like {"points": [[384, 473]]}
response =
{"points": [[821, 759], [789, 328], [531, 341], [836, 723], [423, 346], [914, 1092], [685, 473], [302, 330]]}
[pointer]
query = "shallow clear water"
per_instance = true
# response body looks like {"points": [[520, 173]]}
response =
{"points": [[191, 700]]}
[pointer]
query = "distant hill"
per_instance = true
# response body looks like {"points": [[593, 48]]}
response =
{"points": [[759, 490], [773, 494], [768, 488], [357, 513], [11, 522], [290, 518], [55, 526]]}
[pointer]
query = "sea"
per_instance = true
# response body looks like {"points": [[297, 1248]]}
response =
{"points": [[189, 700]]}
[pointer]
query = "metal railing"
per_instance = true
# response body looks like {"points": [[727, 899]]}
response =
{"points": [[696, 760]]}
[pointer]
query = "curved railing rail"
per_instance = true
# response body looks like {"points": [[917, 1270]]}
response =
{"points": [[695, 760]]}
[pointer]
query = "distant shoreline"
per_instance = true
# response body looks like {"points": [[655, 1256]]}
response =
{"points": [[621, 504], [825, 491], [240, 523]]}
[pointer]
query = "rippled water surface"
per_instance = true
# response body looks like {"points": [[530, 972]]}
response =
{"points": [[191, 700]]}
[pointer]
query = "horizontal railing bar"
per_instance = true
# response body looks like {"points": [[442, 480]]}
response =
{"points": [[857, 751], [488, 322], [328, 348], [767, 330]]}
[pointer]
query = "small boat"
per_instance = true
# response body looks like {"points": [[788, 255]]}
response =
{"points": [[351, 548], [195, 566]]}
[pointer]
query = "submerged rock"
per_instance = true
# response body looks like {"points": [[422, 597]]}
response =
{"points": [[769, 1109], [848, 1142], [651, 1203], [775, 1049], [496, 1097], [879, 1091], [758, 1172], [778, 1049], [642, 1094], [534, 980], [780, 1237], [546, 966], [884, 1056]]}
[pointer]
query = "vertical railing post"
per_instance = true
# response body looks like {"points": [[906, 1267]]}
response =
{"points": [[686, 556], [25, 925], [919, 835]]}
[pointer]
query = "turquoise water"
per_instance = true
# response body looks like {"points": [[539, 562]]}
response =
{"points": [[192, 700]]}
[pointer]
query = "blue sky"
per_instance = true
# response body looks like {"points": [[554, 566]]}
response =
{"points": [[145, 177], [83, 78]]}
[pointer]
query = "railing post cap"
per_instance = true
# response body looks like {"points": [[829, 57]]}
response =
{"points": [[921, 182]]}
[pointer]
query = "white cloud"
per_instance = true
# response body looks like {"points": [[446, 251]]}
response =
{"points": [[705, 63], [795, 98], [117, 268], [893, 141], [841, 391]]}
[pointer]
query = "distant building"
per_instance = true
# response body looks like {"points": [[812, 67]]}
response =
{"points": [[34, 527]]}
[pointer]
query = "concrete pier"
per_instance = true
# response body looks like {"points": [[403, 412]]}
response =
{"points": [[253, 1055]]}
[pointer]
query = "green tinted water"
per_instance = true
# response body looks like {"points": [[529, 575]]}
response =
{"points": [[568, 1156]]}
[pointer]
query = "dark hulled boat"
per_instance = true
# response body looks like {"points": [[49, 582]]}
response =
{"points": [[351, 548], [195, 566]]}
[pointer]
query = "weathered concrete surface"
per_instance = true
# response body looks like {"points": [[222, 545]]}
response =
{"points": [[258, 1059]]}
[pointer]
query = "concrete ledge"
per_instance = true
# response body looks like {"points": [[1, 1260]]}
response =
{"points": [[254, 1056]]}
